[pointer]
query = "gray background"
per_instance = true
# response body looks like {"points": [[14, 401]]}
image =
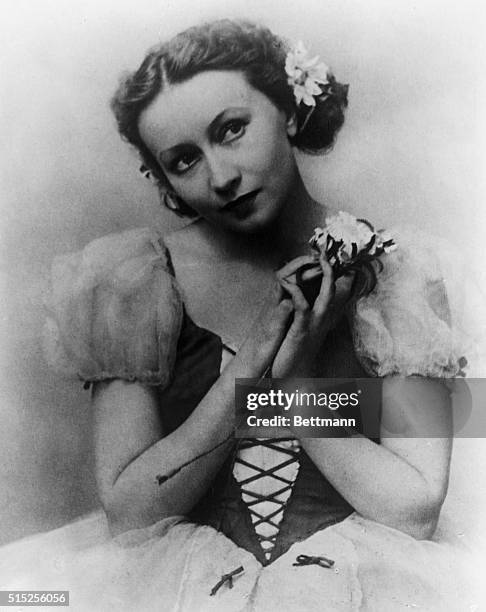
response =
{"points": [[412, 151]]}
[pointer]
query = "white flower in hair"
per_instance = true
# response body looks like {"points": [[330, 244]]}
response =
{"points": [[305, 74]]}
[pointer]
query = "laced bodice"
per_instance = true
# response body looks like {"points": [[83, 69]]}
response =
{"points": [[265, 470], [124, 308]]}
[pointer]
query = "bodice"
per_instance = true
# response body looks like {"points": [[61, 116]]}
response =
{"points": [[268, 494], [135, 307]]}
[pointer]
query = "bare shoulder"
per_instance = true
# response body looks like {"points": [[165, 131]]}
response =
{"points": [[197, 237]]}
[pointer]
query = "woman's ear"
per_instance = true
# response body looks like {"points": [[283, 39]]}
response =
{"points": [[292, 126]]}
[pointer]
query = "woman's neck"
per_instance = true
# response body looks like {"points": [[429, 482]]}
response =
{"points": [[288, 237], [285, 238]]}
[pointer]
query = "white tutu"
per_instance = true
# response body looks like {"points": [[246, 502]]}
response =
{"points": [[174, 565], [105, 308]]}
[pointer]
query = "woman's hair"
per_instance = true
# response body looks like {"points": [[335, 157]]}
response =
{"points": [[226, 45]]}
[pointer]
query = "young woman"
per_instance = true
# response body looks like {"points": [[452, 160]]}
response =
{"points": [[162, 327]]}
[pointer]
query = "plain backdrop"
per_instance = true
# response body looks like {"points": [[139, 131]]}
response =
{"points": [[412, 151]]}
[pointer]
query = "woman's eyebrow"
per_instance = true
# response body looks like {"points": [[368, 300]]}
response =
{"points": [[211, 129], [181, 147], [220, 117], [216, 121], [173, 151]]}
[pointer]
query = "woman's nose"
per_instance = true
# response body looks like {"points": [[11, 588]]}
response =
{"points": [[224, 176]]}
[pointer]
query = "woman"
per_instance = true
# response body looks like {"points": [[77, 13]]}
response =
{"points": [[162, 328]]}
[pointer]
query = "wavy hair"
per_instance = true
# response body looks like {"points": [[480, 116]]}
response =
{"points": [[226, 45]]}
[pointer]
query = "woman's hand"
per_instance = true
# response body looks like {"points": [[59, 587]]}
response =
{"points": [[311, 322], [266, 336]]}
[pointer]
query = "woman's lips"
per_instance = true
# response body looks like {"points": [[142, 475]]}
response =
{"points": [[241, 204]]}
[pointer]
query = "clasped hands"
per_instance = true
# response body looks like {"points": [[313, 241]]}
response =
{"points": [[292, 328]]}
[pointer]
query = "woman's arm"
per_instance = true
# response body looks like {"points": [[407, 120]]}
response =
{"points": [[132, 448], [403, 481]]}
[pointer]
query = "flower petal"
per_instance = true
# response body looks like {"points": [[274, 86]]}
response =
{"points": [[308, 99], [300, 51], [321, 73], [311, 87], [299, 93]]}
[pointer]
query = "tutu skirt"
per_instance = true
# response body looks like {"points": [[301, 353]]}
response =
{"points": [[174, 566]]}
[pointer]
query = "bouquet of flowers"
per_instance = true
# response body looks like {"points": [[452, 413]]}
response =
{"points": [[352, 244]]}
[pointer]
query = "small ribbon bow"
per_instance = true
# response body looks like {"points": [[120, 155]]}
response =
{"points": [[226, 578], [308, 560]]}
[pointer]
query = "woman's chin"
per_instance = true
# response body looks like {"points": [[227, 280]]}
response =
{"points": [[260, 221]]}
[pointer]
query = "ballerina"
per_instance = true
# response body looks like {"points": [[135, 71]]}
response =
{"points": [[161, 326]]}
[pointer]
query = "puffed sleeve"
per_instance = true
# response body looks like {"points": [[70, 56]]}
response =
{"points": [[114, 311], [421, 318]]}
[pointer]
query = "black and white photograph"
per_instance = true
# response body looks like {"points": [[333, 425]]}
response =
{"points": [[243, 340]]}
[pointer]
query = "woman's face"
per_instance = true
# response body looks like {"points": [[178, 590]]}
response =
{"points": [[223, 146]]}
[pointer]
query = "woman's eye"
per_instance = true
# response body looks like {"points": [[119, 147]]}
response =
{"points": [[183, 163], [232, 130]]}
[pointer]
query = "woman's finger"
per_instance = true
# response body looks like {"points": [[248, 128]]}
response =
{"points": [[309, 274], [293, 266], [298, 298], [277, 292], [326, 292]]}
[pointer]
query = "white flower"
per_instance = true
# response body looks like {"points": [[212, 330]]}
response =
{"points": [[385, 241], [346, 228], [305, 74], [345, 239]]}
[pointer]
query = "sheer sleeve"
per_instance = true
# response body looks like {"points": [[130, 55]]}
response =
{"points": [[114, 311], [421, 318]]}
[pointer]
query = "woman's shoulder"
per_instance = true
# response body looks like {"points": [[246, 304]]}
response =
{"points": [[421, 250], [110, 250], [199, 240], [114, 310], [413, 322]]}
